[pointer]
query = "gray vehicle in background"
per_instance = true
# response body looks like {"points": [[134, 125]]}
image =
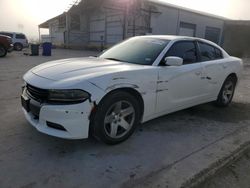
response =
{"points": [[19, 40]]}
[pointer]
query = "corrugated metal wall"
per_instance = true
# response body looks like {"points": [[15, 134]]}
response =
{"points": [[96, 23], [169, 20]]}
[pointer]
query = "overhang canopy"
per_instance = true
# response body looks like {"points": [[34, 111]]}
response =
{"points": [[45, 25]]}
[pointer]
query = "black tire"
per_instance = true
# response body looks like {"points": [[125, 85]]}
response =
{"points": [[3, 51], [18, 46], [222, 100], [99, 129]]}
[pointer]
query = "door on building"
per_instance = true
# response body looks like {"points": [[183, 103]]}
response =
{"points": [[213, 34], [187, 29]]}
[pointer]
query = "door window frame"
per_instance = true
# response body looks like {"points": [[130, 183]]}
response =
{"points": [[199, 51], [162, 63]]}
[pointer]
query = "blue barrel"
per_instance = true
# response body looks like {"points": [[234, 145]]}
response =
{"points": [[47, 46]]}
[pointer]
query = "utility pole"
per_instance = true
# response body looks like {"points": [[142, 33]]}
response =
{"points": [[67, 28], [39, 33], [125, 21]]}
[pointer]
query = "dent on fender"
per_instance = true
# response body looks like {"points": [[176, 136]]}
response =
{"points": [[116, 86]]}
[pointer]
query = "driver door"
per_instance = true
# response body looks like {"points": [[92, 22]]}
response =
{"points": [[180, 86]]}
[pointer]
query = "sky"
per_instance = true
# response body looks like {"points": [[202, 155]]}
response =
{"points": [[25, 15]]}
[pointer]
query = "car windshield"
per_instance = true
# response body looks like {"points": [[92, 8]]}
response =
{"points": [[142, 51]]}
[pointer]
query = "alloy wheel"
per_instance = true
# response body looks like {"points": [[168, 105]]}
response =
{"points": [[119, 119], [228, 91]]}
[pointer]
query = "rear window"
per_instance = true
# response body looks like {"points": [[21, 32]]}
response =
{"points": [[20, 36], [209, 52]]}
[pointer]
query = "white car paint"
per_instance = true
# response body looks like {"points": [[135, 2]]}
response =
{"points": [[163, 89]]}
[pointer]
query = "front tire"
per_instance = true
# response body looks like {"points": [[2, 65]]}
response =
{"points": [[226, 94], [18, 46], [116, 118], [3, 51]]}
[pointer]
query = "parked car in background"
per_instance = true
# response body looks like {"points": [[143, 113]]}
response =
{"points": [[133, 82], [19, 40], [5, 45]]}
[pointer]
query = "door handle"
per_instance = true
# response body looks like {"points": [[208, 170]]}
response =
{"points": [[224, 66], [197, 73]]}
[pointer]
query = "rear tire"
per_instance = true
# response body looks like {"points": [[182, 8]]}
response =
{"points": [[226, 94], [3, 51], [116, 118], [18, 46]]}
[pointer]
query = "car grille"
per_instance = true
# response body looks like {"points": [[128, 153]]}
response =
{"points": [[37, 93]]}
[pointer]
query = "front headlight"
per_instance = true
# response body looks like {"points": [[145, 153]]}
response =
{"points": [[74, 95]]}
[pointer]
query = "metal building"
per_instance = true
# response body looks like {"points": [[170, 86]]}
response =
{"points": [[102, 23]]}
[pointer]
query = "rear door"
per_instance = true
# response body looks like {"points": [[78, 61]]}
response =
{"points": [[212, 62], [180, 86]]}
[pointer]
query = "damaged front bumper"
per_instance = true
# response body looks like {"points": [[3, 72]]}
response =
{"points": [[64, 121]]}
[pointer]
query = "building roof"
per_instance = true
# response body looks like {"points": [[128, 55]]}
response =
{"points": [[187, 9], [46, 23]]}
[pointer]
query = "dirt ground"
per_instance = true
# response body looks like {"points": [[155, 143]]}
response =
{"points": [[179, 144]]}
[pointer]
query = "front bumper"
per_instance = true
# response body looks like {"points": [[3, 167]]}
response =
{"points": [[74, 119]]}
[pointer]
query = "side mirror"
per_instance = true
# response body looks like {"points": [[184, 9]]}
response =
{"points": [[173, 61]]}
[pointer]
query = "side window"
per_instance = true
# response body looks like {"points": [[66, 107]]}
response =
{"points": [[209, 52], [20, 36], [185, 50]]}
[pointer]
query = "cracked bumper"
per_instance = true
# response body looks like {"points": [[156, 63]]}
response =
{"points": [[73, 118]]}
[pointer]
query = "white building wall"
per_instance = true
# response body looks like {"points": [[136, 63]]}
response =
{"points": [[164, 22], [105, 24], [167, 22], [56, 33], [201, 22]]}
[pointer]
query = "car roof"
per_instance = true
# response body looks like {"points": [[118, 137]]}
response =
{"points": [[173, 37], [11, 32], [4, 36], [176, 38]]}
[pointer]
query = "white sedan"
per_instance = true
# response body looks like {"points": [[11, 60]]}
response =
{"points": [[133, 82]]}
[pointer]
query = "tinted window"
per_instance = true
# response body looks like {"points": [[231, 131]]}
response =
{"points": [[20, 36], [7, 34], [218, 54], [185, 50], [209, 52], [142, 51]]}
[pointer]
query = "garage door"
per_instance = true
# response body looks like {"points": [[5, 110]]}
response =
{"points": [[187, 29]]}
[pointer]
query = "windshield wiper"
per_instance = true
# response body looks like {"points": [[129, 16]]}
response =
{"points": [[114, 59]]}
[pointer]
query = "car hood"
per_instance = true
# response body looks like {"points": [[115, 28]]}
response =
{"points": [[81, 68]]}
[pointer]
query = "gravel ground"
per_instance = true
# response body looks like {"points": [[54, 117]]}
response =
{"points": [[30, 159]]}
